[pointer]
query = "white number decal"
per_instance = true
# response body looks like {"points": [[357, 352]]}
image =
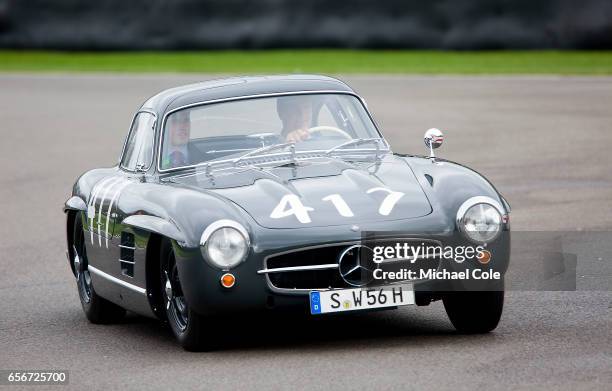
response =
{"points": [[340, 205], [295, 208], [290, 205], [390, 200]]}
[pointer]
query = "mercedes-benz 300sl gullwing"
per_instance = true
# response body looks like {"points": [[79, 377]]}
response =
{"points": [[277, 193]]}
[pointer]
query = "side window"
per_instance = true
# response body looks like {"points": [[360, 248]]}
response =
{"points": [[139, 146]]}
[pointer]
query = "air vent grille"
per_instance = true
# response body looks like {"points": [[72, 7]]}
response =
{"points": [[126, 257]]}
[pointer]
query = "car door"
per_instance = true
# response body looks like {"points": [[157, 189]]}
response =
{"points": [[114, 253]]}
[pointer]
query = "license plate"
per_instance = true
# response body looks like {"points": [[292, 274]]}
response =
{"points": [[338, 300]]}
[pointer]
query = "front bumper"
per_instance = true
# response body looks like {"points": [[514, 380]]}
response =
{"points": [[254, 291]]}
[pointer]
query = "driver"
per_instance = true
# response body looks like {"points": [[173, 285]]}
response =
{"points": [[179, 130], [295, 112]]}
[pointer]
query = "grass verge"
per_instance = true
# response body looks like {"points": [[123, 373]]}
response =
{"points": [[315, 61]]}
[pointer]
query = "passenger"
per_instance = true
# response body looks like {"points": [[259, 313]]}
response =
{"points": [[176, 150]]}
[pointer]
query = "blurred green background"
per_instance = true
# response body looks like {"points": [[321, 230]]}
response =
{"points": [[335, 61]]}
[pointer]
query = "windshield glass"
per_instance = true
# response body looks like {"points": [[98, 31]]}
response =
{"points": [[230, 129]]}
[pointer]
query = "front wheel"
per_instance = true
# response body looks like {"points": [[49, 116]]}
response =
{"points": [[187, 325], [474, 312]]}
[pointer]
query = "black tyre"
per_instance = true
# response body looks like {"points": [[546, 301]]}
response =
{"points": [[475, 312], [97, 309], [187, 325]]}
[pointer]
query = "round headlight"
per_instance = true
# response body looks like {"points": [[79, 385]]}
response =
{"points": [[481, 222], [225, 244]]}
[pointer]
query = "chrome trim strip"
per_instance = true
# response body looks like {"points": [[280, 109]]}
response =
{"points": [[409, 259], [126, 247], [117, 281], [299, 268], [244, 97], [124, 261]]}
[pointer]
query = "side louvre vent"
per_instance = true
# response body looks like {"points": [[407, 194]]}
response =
{"points": [[126, 259]]}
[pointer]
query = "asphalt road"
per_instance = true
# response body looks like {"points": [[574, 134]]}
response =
{"points": [[545, 142]]}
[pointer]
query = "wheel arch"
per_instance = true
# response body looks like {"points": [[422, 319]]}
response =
{"points": [[72, 207], [71, 216], [155, 225], [75, 203], [152, 277], [157, 229]]}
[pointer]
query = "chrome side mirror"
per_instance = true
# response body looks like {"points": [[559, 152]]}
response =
{"points": [[433, 139]]}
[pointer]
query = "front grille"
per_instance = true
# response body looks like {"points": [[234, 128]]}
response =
{"points": [[307, 279], [325, 256]]}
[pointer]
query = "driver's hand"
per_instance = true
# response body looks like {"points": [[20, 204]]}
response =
{"points": [[297, 136]]}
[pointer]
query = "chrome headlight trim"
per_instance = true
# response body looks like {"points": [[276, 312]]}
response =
{"points": [[212, 228], [470, 202]]}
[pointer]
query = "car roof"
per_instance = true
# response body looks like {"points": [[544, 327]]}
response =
{"points": [[235, 87]]}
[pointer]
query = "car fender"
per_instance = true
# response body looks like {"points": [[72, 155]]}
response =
{"points": [[180, 214], [156, 225], [449, 184], [75, 203]]}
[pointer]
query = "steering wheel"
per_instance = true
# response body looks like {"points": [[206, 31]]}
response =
{"points": [[330, 129]]}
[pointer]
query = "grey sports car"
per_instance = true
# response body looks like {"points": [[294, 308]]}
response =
{"points": [[280, 193]]}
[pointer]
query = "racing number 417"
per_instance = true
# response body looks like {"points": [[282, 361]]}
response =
{"points": [[291, 205]]}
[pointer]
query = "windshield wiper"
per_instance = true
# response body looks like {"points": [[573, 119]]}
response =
{"points": [[249, 155], [267, 148], [292, 155], [356, 142]]}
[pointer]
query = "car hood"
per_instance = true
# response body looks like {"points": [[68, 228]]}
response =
{"points": [[318, 193]]}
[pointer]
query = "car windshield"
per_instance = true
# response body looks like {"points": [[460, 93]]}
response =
{"points": [[231, 129]]}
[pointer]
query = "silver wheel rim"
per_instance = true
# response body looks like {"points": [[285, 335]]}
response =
{"points": [[83, 277]]}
